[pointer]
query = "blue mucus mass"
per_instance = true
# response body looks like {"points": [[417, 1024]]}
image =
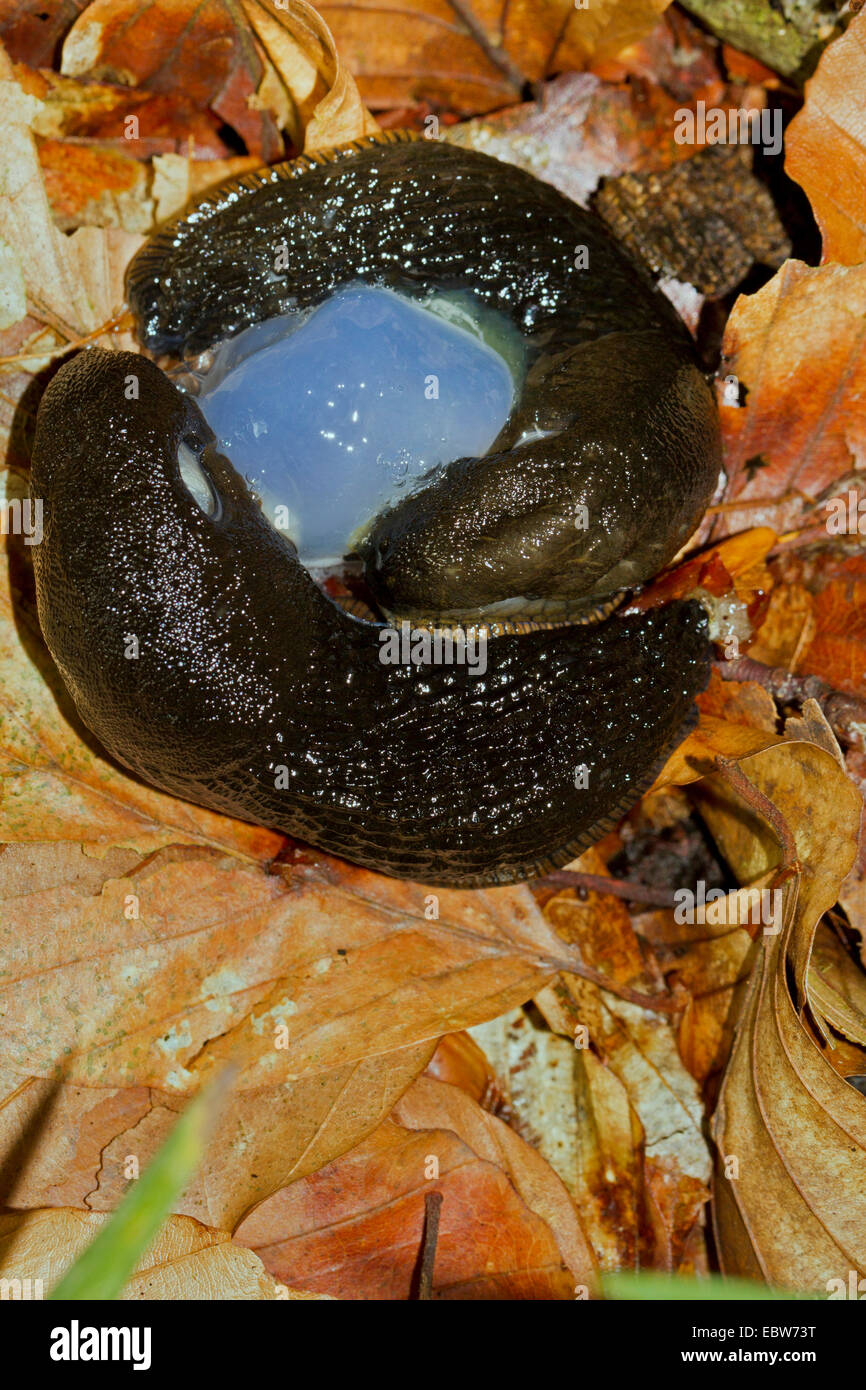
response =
{"points": [[332, 415]]}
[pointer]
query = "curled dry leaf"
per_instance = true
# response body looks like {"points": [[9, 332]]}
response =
{"points": [[790, 1205], [324, 105], [469, 55], [826, 145], [186, 1261], [507, 1228], [797, 349]]}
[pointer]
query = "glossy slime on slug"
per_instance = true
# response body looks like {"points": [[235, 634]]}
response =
{"points": [[252, 693]]}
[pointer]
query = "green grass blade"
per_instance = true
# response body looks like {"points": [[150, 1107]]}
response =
{"points": [[104, 1267], [712, 1289]]}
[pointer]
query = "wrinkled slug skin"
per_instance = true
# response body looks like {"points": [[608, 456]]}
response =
{"points": [[611, 369], [244, 666]]}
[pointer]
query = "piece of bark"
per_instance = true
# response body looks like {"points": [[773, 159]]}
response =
{"points": [[704, 221]]}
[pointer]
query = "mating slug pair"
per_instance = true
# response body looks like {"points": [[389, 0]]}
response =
{"points": [[252, 693]]}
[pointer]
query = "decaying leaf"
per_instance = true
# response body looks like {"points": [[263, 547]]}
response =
{"points": [[324, 105], [475, 56], [796, 349], [74, 284], [790, 1132], [704, 221], [641, 1093], [826, 145], [158, 44], [507, 1228]]}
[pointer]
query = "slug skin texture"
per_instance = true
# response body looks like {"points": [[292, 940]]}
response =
{"points": [[248, 690]]}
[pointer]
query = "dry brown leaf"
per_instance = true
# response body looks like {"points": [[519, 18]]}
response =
{"points": [[507, 1228], [194, 46], [61, 1144], [75, 283], [94, 185], [98, 113], [33, 29], [186, 1261], [324, 107], [790, 1206], [475, 55], [797, 348], [710, 959], [837, 987], [194, 957], [825, 145], [652, 1094]]}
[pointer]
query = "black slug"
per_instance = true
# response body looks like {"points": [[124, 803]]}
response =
{"points": [[199, 649]]}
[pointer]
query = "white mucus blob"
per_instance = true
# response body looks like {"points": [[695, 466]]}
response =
{"points": [[329, 415]]}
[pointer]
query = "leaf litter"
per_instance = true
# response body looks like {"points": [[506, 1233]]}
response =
{"points": [[143, 941]]}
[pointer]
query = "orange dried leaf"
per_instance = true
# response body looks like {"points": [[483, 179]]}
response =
{"points": [[507, 1227], [796, 347], [476, 56], [194, 46], [826, 145]]}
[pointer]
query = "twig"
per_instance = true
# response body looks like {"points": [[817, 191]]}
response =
{"points": [[761, 804], [845, 713], [617, 887], [110, 326], [432, 1208]]}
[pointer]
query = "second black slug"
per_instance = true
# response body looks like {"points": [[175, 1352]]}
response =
{"points": [[199, 649]]}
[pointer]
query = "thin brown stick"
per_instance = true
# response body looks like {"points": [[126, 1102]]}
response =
{"points": [[752, 503], [761, 804], [110, 326], [432, 1208], [846, 714], [617, 887]]}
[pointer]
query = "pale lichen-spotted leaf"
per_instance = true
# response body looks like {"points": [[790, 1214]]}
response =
{"points": [[186, 1261], [193, 958]]}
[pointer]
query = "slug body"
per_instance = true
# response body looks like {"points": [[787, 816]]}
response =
{"points": [[250, 692], [616, 417]]}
